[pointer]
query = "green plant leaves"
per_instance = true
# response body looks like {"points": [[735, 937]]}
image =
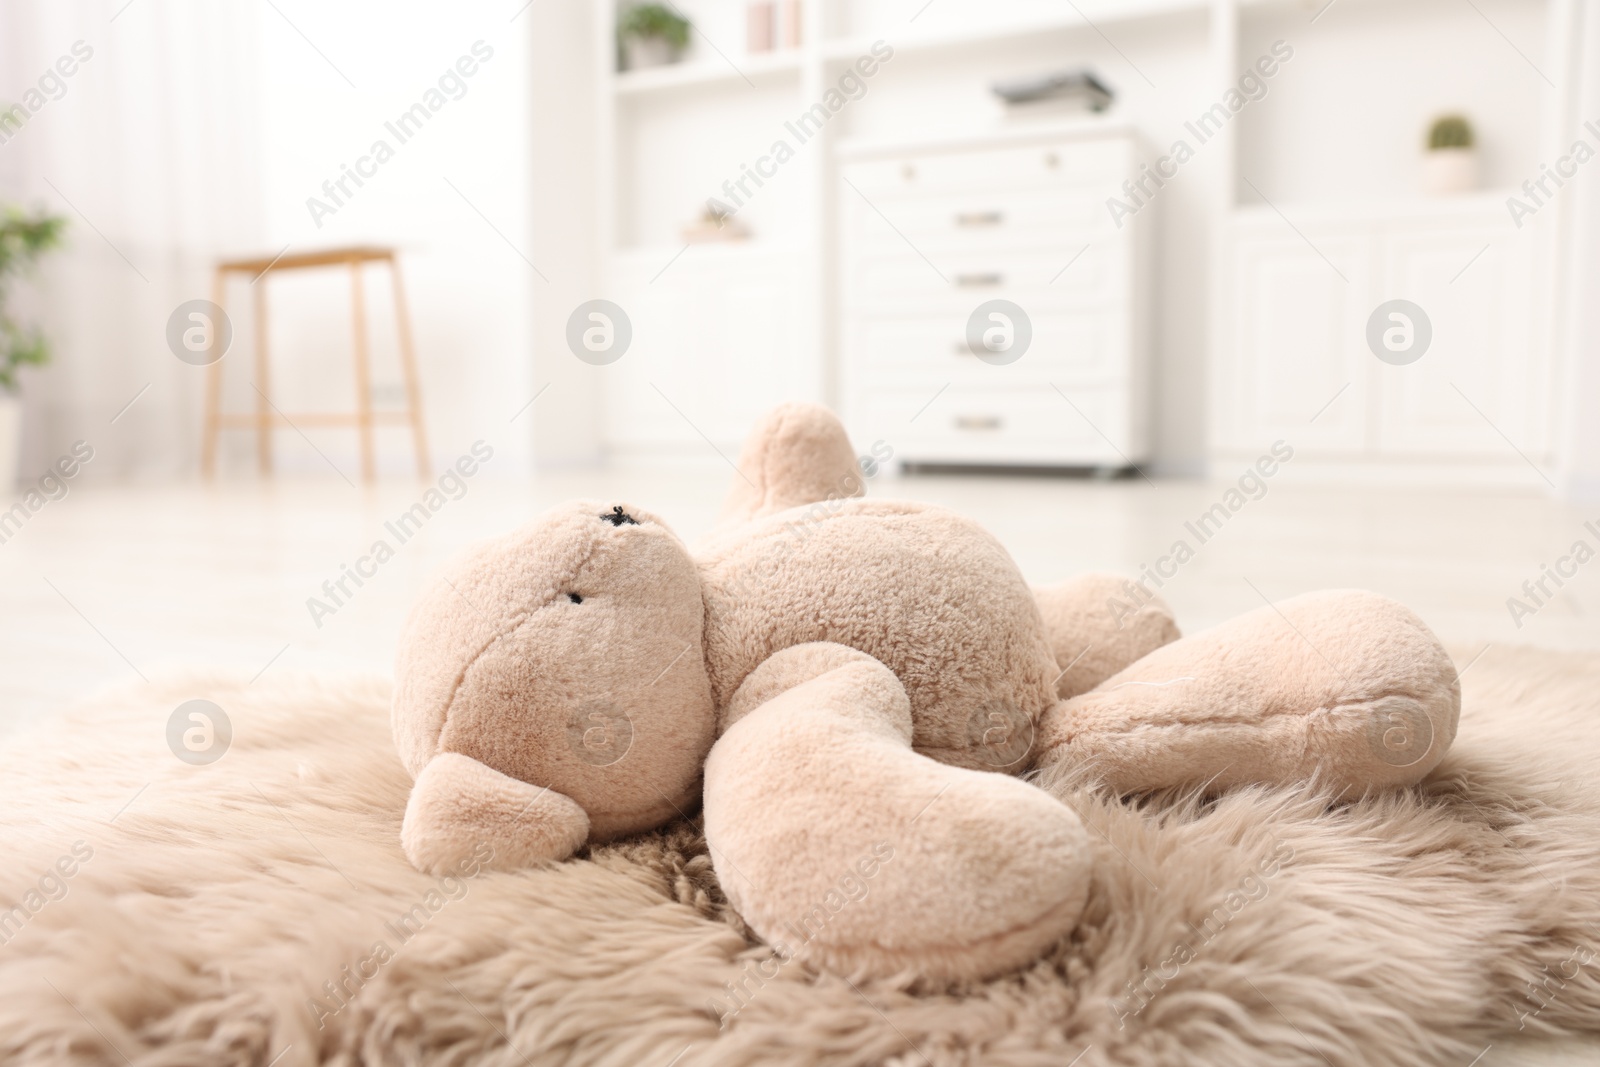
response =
{"points": [[24, 237], [654, 20], [1450, 131]]}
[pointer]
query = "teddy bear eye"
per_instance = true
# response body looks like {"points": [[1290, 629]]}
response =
{"points": [[575, 598]]}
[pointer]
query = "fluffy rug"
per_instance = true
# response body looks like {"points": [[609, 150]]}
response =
{"points": [[258, 910]]}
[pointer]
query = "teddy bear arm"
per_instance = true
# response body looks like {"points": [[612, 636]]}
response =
{"points": [[1345, 688], [459, 806], [836, 841], [1098, 624]]}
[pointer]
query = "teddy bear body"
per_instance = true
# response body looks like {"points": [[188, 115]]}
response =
{"points": [[926, 592]]}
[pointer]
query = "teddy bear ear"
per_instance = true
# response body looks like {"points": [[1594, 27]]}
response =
{"points": [[797, 454], [464, 815]]}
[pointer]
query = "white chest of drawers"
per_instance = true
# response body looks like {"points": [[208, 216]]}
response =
{"points": [[932, 231]]}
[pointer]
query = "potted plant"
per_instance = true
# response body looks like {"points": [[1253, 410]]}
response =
{"points": [[23, 239], [651, 35], [1451, 163]]}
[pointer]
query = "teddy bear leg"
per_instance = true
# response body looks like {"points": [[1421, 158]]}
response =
{"points": [[1099, 623], [460, 808], [839, 844], [1345, 687], [797, 454]]}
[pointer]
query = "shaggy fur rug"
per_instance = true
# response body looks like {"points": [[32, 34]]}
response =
{"points": [[258, 911]]}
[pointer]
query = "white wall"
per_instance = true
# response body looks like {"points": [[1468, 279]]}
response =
{"points": [[154, 142], [1580, 475], [1347, 118], [563, 203], [200, 130]]}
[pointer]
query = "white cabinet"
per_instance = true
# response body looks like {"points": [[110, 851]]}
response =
{"points": [[930, 234], [1298, 320], [1293, 360], [1484, 374]]}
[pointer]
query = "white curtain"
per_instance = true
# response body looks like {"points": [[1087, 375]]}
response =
{"points": [[151, 153], [198, 129]]}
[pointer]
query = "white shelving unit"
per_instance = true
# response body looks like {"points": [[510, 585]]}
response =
{"points": [[762, 320], [724, 330], [1300, 278], [707, 73]]}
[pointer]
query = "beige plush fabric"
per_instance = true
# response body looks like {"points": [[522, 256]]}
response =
{"points": [[1412, 928], [929, 593], [791, 458], [589, 655], [899, 875], [523, 825], [586, 660], [1090, 638], [550, 656], [1346, 686]]}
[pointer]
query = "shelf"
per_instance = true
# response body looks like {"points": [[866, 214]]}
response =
{"points": [[722, 251], [1399, 209], [1098, 14], [705, 73], [1016, 131], [776, 66]]}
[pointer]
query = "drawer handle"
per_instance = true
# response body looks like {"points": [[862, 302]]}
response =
{"points": [[980, 218], [979, 281], [978, 422], [962, 348]]}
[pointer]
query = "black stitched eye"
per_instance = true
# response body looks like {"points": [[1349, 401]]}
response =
{"points": [[575, 598]]}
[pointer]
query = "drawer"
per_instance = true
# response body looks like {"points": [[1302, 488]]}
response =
{"points": [[1036, 279], [1086, 427], [1085, 347], [977, 220], [1051, 165]]}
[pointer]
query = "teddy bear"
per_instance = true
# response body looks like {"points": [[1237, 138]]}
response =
{"points": [[852, 691]]}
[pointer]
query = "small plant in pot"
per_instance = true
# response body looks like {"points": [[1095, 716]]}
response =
{"points": [[1451, 163], [651, 35], [23, 239]]}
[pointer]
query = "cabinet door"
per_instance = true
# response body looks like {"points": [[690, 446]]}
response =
{"points": [[1292, 358], [1484, 374]]}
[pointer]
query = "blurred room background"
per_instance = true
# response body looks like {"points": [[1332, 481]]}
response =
{"points": [[1188, 309]]}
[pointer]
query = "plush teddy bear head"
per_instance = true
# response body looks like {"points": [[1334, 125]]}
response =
{"points": [[567, 655]]}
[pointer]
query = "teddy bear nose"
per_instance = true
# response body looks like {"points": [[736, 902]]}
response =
{"points": [[618, 517]]}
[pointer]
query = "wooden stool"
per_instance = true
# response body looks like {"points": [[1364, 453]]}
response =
{"points": [[363, 418]]}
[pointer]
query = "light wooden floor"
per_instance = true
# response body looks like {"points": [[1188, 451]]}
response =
{"points": [[121, 580]]}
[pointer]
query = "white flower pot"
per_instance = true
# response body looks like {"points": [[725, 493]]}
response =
{"points": [[10, 440], [643, 52], [1449, 171]]}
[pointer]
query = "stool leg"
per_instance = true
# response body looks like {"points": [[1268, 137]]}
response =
{"points": [[408, 362], [358, 315], [212, 426], [263, 381]]}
